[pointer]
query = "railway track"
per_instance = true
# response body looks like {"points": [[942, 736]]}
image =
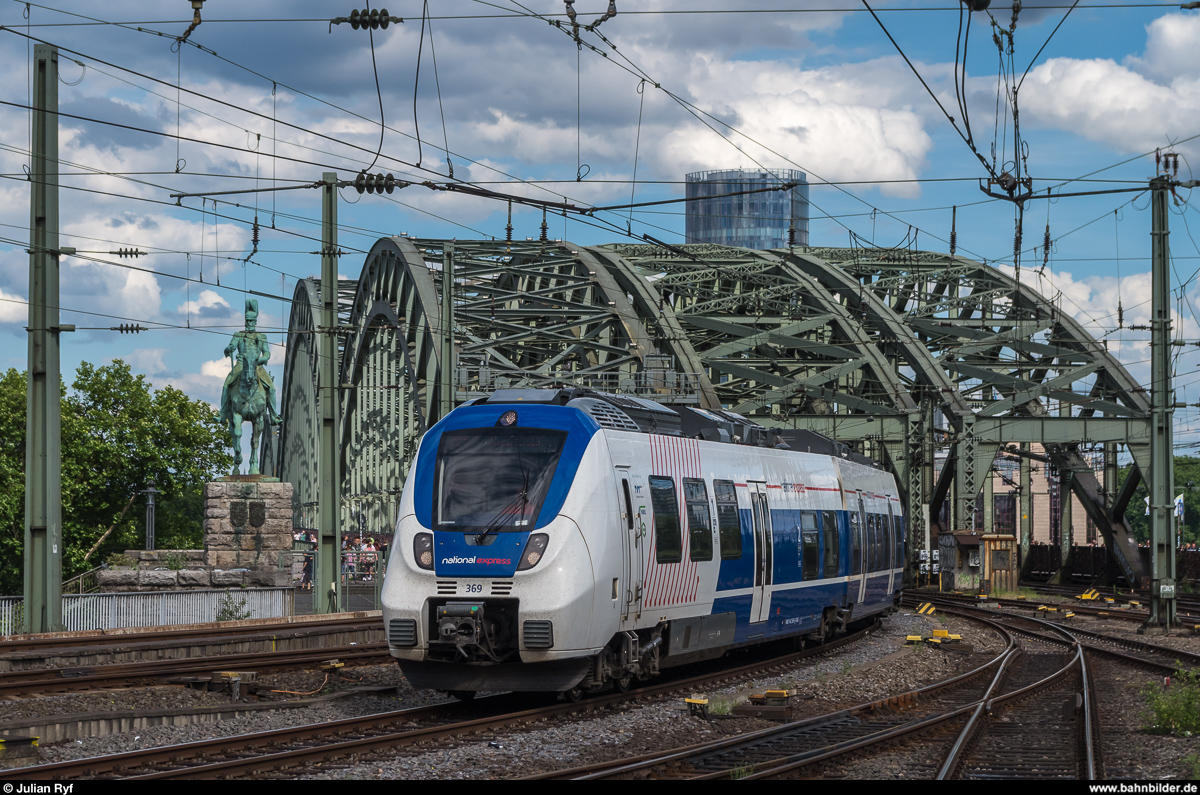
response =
{"points": [[267, 752], [1121, 612], [1186, 603], [24, 683], [108, 641], [980, 730], [1051, 690], [791, 747]]}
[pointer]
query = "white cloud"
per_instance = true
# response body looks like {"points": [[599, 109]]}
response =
{"points": [[834, 121], [148, 360], [1172, 42], [208, 304], [1143, 104], [13, 308], [216, 368]]}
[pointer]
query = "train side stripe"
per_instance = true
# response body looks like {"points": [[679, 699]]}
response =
{"points": [[652, 563], [676, 569], [689, 574], [648, 579]]}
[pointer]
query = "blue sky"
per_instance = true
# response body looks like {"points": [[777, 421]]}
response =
{"points": [[819, 84]]}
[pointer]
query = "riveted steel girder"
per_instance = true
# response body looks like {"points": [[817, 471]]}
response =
{"points": [[897, 352], [524, 314], [1008, 352]]}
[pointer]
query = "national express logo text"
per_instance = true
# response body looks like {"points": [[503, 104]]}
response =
{"points": [[480, 561]]}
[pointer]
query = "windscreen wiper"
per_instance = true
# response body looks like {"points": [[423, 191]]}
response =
{"points": [[515, 506]]}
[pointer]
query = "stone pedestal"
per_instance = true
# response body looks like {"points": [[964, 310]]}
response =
{"points": [[247, 523]]}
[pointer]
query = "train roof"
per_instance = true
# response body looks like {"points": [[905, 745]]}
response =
{"points": [[641, 415]]}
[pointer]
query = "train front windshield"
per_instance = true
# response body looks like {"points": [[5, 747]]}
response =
{"points": [[494, 478]]}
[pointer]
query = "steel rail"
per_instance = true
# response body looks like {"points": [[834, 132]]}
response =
{"points": [[119, 763], [95, 641], [958, 752], [1080, 609], [605, 770], [57, 680]]}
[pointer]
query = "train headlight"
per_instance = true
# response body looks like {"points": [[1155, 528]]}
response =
{"points": [[423, 550], [534, 549]]}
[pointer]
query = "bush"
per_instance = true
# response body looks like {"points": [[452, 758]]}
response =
{"points": [[232, 608], [1175, 709], [174, 561], [119, 561]]}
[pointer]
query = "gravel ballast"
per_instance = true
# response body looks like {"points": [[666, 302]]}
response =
{"points": [[869, 670]]}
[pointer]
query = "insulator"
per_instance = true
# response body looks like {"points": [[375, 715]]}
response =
{"points": [[371, 183], [1046, 245], [385, 19], [544, 227], [375, 19], [389, 183], [354, 15], [1120, 314], [792, 235], [953, 231], [360, 182], [254, 233], [508, 229]]}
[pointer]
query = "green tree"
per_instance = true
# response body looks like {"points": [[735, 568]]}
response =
{"points": [[117, 433], [1187, 470]]}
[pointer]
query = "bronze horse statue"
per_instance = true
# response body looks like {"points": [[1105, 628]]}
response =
{"points": [[249, 391]]}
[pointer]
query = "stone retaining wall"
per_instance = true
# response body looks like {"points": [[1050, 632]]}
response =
{"points": [[247, 523]]}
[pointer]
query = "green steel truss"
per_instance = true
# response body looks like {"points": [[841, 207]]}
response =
{"points": [[914, 358]]}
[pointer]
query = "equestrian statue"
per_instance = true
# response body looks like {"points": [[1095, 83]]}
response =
{"points": [[249, 391]]}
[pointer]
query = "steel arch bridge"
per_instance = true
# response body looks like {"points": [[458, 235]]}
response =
{"points": [[929, 363]]}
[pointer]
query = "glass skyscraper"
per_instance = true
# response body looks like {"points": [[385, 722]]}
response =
{"points": [[752, 220]]}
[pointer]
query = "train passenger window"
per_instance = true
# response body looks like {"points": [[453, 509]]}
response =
{"points": [[808, 542], [728, 522], [628, 505], [830, 532], [695, 494], [856, 543], [668, 541], [880, 541], [872, 543], [885, 546], [899, 533]]}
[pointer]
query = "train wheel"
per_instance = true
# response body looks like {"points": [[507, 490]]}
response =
{"points": [[574, 695], [462, 695], [623, 683]]}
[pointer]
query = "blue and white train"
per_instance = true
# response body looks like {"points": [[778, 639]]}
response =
{"points": [[572, 541]]}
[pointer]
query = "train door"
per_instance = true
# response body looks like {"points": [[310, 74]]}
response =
{"points": [[760, 516], [893, 549], [858, 526], [633, 544]]}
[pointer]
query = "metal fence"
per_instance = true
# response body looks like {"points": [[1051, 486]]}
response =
{"points": [[361, 579], [155, 609], [12, 614]]}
